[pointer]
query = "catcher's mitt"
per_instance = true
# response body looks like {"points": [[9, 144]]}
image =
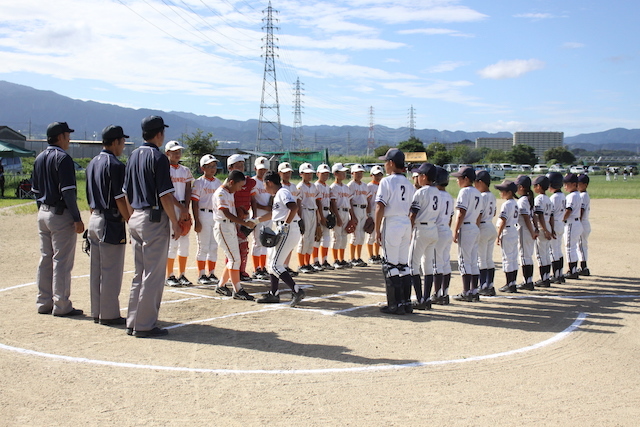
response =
{"points": [[185, 226], [351, 227], [331, 221], [369, 226], [318, 235]]}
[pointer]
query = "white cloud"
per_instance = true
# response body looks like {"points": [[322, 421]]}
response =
{"points": [[436, 32], [572, 45], [535, 16], [445, 66], [510, 69]]}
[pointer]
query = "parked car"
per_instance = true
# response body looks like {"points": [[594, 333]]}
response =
{"points": [[450, 167], [594, 169], [540, 168], [506, 167], [496, 172], [577, 169], [557, 168], [12, 164], [524, 168], [631, 168]]}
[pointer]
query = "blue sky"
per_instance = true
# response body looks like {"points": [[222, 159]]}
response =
{"points": [[469, 65]]}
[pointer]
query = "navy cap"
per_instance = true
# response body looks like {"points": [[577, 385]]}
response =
{"points": [[583, 178], [570, 178], [429, 170], [523, 180], [153, 123], [394, 155], [541, 180], [442, 176], [466, 171], [483, 176], [555, 179], [113, 132], [56, 128], [507, 186]]}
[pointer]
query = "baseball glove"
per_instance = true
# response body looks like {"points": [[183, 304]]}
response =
{"points": [[318, 235], [369, 226], [185, 225], [245, 230], [302, 226], [351, 226], [331, 221]]}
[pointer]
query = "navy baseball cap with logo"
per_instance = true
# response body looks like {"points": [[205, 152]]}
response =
{"points": [[466, 171], [113, 132], [395, 155], [427, 169], [152, 123], [56, 128], [484, 177], [570, 178], [507, 186], [523, 180]]}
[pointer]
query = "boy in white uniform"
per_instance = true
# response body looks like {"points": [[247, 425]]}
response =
{"points": [[442, 261], [572, 224], [284, 217], [508, 235], [373, 246], [308, 194], [181, 178], [393, 232], [226, 233], [542, 216], [583, 249], [361, 210], [202, 207], [260, 205], [342, 209], [323, 202], [488, 235], [285, 170], [557, 225]]}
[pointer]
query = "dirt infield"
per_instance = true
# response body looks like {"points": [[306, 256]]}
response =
{"points": [[567, 355]]}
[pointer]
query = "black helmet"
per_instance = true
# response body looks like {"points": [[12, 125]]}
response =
{"points": [[331, 221], [555, 179], [268, 238], [442, 176]]}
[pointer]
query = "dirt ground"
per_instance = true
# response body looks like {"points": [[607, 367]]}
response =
{"points": [[567, 355]]}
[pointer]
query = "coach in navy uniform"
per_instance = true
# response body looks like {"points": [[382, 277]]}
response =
{"points": [[107, 234], [54, 183], [148, 187]]}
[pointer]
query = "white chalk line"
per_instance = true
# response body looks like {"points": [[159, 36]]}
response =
{"points": [[560, 336]]}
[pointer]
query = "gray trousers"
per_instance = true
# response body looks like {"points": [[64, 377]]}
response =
{"points": [[150, 243], [57, 253], [107, 264]]}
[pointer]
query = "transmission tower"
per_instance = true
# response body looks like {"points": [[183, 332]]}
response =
{"points": [[296, 135], [269, 129], [371, 141], [348, 143], [412, 123]]}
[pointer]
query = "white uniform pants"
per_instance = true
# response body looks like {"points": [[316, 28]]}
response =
{"points": [[468, 249], [572, 235], [207, 244], [178, 247], [396, 240], [556, 244], [486, 242], [357, 238], [424, 238], [509, 247], [277, 255], [583, 249], [543, 250], [525, 246], [339, 235], [226, 235], [310, 218], [443, 251]]}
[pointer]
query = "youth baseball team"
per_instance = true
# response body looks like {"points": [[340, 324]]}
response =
{"points": [[406, 227]]}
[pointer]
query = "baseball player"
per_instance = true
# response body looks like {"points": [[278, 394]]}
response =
{"points": [[361, 210], [149, 189], [226, 234], [308, 212], [508, 235], [285, 218], [341, 207], [393, 232], [372, 245], [182, 179], [260, 205], [202, 207], [321, 248], [107, 234], [557, 225], [442, 261], [488, 235], [572, 224], [425, 209], [242, 199], [285, 170], [466, 233], [54, 184], [583, 249], [542, 216], [527, 233]]}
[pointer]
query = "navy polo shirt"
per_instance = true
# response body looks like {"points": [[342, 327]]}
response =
{"points": [[53, 173], [105, 177], [147, 177]]}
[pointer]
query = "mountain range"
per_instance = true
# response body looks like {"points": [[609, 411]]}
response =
{"points": [[30, 110]]}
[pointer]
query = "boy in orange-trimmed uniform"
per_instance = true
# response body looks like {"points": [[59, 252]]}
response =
{"points": [[308, 212]]}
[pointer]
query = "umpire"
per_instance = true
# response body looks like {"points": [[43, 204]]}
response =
{"points": [[107, 235], [54, 183], [148, 186]]}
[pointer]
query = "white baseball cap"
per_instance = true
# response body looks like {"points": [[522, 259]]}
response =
{"points": [[357, 168], [206, 159], [173, 146], [306, 168], [261, 163], [338, 167], [234, 158], [323, 168], [375, 170], [285, 167]]}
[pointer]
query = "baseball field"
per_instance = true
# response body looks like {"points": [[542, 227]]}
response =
{"points": [[566, 355]]}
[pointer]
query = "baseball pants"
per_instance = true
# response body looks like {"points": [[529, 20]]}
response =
{"points": [[543, 250], [443, 251], [107, 266], [310, 218], [207, 244], [178, 247], [572, 235], [396, 240], [468, 249], [325, 240], [57, 253], [486, 242], [339, 235], [150, 242], [424, 238], [525, 246], [226, 235], [509, 248], [556, 244], [583, 249], [357, 238], [277, 255]]}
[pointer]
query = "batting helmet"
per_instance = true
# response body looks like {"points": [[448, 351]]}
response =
{"points": [[331, 221], [268, 238], [442, 176], [555, 179]]}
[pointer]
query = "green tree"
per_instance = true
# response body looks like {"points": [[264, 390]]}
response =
{"points": [[435, 147], [381, 150], [560, 155], [440, 158], [496, 156], [522, 154], [198, 143], [412, 145]]}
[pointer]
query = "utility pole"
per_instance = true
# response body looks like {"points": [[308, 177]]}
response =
{"points": [[269, 128], [348, 143], [412, 123], [371, 141], [296, 134]]}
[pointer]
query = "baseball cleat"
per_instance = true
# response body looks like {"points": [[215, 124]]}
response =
{"points": [[572, 276], [244, 277], [317, 267], [543, 283], [307, 269], [360, 263], [213, 280], [184, 281], [558, 280], [399, 309], [527, 286], [509, 289], [269, 298], [327, 266], [488, 292], [338, 265], [297, 297], [172, 281], [584, 272], [424, 305], [223, 290], [463, 297], [204, 280], [243, 295]]}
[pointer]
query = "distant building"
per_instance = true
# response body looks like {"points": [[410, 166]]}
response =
{"points": [[451, 145], [540, 141], [504, 144], [12, 136]]}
